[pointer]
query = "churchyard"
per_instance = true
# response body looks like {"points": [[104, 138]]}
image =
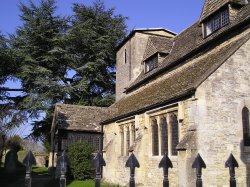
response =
{"points": [[26, 174]]}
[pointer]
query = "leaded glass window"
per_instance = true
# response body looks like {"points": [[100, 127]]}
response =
{"points": [[155, 138], [133, 132], [217, 21], [97, 144], [127, 141], [164, 135], [174, 133], [122, 141], [150, 63]]}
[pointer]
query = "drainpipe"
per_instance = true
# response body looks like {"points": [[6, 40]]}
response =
{"points": [[101, 148]]}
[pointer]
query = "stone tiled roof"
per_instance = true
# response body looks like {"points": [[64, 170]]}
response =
{"points": [[83, 118], [189, 42], [157, 44], [179, 81], [212, 6]]}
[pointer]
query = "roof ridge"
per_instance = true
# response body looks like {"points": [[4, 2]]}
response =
{"points": [[79, 106]]}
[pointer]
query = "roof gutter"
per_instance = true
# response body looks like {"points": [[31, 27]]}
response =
{"points": [[183, 96]]}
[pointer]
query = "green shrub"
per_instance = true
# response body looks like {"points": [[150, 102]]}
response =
{"points": [[80, 156]]}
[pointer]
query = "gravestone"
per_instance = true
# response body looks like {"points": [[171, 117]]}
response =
{"points": [[11, 164]]}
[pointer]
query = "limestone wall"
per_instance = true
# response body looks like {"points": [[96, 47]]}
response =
{"points": [[218, 116]]}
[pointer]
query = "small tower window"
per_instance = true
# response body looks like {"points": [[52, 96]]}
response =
{"points": [[125, 56], [216, 22], [246, 124]]}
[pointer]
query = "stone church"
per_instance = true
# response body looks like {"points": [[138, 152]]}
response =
{"points": [[183, 94]]}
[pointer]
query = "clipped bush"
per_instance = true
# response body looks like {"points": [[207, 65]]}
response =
{"points": [[80, 156]]}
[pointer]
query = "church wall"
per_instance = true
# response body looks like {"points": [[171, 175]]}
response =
{"points": [[218, 110], [149, 174]]}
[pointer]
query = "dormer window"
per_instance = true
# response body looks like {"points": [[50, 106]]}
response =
{"points": [[150, 63], [216, 22]]}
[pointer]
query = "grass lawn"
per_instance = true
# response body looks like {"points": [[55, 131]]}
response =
{"points": [[87, 183], [40, 170]]}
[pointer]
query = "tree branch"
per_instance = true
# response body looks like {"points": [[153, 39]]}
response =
{"points": [[11, 89]]}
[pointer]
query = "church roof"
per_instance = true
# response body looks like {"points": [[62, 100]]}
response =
{"points": [[189, 42], [83, 118], [192, 59], [158, 44], [181, 82]]}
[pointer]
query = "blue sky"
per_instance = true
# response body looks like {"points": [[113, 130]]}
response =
{"points": [[175, 15]]}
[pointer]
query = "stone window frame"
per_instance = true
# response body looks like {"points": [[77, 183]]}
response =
{"points": [[126, 126], [216, 22], [158, 115]]}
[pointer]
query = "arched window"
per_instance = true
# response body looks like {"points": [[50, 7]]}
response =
{"points": [[133, 132], [245, 122], [127, 141], [125, 56], [164, 135], [122, 141], [174, 133], [155, 138]]}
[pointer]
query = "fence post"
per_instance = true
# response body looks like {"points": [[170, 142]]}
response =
{"points": [[63, 163], [231, 163], [98, 163], [28, 161], [198, 164], [165, 163], [132, 163]]}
